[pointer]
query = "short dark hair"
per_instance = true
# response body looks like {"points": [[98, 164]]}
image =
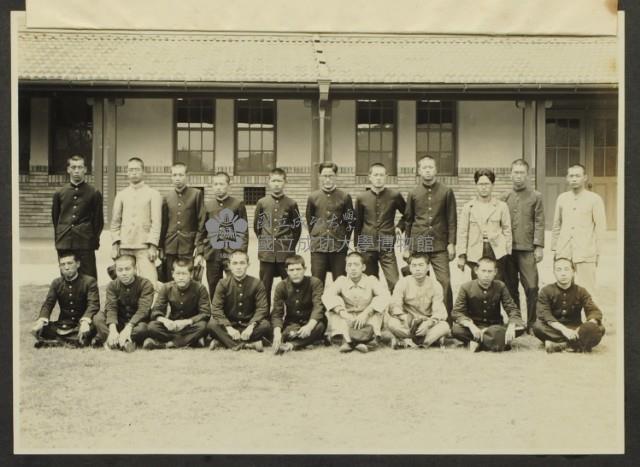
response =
{"points": [[328, 165], [278, 171], [427, 156], [180, 164], [295, 259], [182, 263], [136, 159], [224, 174], [76, 157], [358, 254], [126, 256], [377, 164], [486, 259], [520, 162], [564, 258], [418, 255], [67, 254], [484, 173], [573, 166]]}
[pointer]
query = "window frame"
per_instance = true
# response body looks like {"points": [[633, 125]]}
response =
{"points": [[176, 129], [236, 133], [454, 136], [391, 171]]}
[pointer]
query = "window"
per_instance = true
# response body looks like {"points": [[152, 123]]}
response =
{"points": [[251, 194], [375, 135], [435, 134], [195, 133], [255, 136], [605, 147], [24, 133], [71, 132], [562, 145]]}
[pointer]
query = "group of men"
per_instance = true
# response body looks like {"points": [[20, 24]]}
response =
{"points": [[500, 238]]}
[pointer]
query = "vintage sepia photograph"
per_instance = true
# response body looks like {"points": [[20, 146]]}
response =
{"points": [[293, 227]]}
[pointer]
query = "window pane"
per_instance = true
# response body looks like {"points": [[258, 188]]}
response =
{"points": [[195, 116], [362, 139], [195, 161], [207, 161], [422, 116], [268, 161], [195, 142], [243, 140], [421, 141], [255, 139], [255, 116], [207, 117], [374, 141], [182, 156], [362, 114], [387, 116], [434, 141], [387, 140], [447, 116], [182, 117], [612, 132], [267, 114], [242, 161], [207, 140], [183, 140], [599, 132], [550, 162], [362, 162], [574, 133], [563, 161], [267, 140], [550, 132], [446, 164], [72, 130], [611, 161], [243, 116], [446, 141], [598, 162], [562, 133]]}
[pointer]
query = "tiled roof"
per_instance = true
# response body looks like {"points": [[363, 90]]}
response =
{"points": [[209, 58]]}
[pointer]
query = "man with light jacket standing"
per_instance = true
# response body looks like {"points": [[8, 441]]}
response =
{"points": [[485, 227]]}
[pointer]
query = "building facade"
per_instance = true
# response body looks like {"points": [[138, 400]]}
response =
{"points": [[246, 103]]}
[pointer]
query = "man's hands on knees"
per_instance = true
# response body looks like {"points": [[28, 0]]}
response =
{"points": [[125, 335], [305, 331], [362, 318], [233, 333], [246, 334], [113, 337], [85, 327]]}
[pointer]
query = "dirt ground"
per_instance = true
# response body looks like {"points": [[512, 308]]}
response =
{"points": [[315, 401]]}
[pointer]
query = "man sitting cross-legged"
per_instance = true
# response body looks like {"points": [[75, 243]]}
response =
{"points": [[239, 309], [79, 300], [123, 322], [476, 312], [297, 307], [417, 315], [190, 309], [559, 324], [355, 304]]}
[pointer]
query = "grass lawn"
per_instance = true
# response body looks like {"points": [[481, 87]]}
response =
{"points": [[314, 401]]}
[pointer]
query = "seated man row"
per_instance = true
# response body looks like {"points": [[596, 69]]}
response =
{"points": [[360, 313]]}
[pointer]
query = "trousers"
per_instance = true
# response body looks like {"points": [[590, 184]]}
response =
{"points": [[322, 263], [338, 326], [138, 333], [218, 331], [544, 332], [299, 343], [521, 267], [183, 338], [268, 272], [463, 334], [216, 267], [434, 329], [387, 260]]}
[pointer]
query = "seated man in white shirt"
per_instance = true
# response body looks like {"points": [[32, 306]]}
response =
{"points": [[355, 304], [417, 315]]}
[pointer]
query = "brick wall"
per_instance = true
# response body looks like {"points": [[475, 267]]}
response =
{"points": [[37, 188]]}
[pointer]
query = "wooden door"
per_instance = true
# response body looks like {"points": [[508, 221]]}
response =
{"points": [[602, 162]]}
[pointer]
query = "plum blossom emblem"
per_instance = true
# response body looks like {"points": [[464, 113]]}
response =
{"points": [[226, 230]]}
